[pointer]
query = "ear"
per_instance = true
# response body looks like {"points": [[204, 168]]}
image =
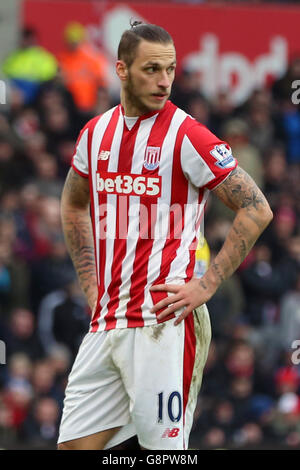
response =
{"points": [[122, 70]]}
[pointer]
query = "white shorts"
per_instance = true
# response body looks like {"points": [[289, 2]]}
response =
{"points": [[144, 380]]}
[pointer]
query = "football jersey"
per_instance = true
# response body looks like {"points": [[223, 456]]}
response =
{"points": [[148, 187]]}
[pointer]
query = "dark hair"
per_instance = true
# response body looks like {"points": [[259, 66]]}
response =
{"points": [[140, 31]]}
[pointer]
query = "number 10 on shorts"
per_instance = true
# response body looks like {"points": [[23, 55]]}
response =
{"points": [[171, 404]]}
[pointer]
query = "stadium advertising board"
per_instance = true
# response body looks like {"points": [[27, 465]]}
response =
{"points": [[234, 47]]}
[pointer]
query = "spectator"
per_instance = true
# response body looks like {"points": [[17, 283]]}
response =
{"points": [[17, 398], [199, 108], [44, 381], [83, 69], [62, 315], [282, 88], [40, 429], [47, 179], [45, 317], [226, 306], [20, 367], [289, 324], [30, 65], [185, 89], [263, 284], [237, 133], [213, 384], [14, 281], [21, 335], [250, 435], [222, 110], [25, 214], [60, 359], [50, 271], [8, 434], [223, 418], [275, 174], [260, 120], [44, 224], [10, 173], [70, 319]]}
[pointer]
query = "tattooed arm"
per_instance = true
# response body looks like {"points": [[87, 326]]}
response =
{"points": [[78, 233], [240, 193]]}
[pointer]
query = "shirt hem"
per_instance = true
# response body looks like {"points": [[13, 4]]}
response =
{"points": [[126, 326]]}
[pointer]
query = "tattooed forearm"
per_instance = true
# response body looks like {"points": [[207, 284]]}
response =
{"points": [[218, 272], [237, 245], [78, 234], [242, 242], [259, 222], [253, 214]]}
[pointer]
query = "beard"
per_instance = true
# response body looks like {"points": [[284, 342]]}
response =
{"points": [[135, 99], [132, 96]]}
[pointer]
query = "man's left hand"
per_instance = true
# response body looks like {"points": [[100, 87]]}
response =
{"points": [[190, 295]]}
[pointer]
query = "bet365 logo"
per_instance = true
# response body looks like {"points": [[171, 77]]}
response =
{"points": [[296, 93]]}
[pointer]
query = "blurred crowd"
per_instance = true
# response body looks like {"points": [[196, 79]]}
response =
{"points": [[250, 395]]}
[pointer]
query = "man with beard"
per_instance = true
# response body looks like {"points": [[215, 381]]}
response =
{"points": [[131, 209]]}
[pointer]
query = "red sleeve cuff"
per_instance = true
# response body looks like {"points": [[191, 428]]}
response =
{"points": [[213, 184], [84, 175]]}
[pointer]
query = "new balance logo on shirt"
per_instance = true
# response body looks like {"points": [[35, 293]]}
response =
{"points": [[103, 155]]}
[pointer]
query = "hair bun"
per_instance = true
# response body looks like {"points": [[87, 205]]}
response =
{"points": [[134, 23]]}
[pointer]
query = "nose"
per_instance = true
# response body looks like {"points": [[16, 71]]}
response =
{"points": [[164, 80]]}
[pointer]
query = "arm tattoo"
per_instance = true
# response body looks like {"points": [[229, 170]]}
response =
{"points": [[253, 214], [78, 233], [77, 188], [240, 191], [216, 268], [242, 244]]}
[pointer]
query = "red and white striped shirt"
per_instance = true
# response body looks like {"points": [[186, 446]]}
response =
{"points": [[148, 186]]}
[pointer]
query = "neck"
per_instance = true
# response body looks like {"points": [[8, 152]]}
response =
{"points": [[130, 109]]}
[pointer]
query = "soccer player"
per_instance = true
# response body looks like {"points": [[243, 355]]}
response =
{"points": [[131, 207]]}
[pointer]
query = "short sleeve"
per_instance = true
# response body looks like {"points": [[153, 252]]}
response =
{"points": [[80, 158], [205, 160]]}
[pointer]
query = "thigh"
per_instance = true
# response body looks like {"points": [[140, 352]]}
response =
{"points": [[158, 383], [202, 337], [95, 398]]}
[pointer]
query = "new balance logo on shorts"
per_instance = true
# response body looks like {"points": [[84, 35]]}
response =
{"points": [[170, 432]]}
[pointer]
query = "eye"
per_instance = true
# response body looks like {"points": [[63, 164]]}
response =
{"points": [[171, 69], [150, 69]]}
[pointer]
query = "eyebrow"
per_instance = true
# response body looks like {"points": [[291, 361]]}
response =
{"points": [[158, 64]]}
